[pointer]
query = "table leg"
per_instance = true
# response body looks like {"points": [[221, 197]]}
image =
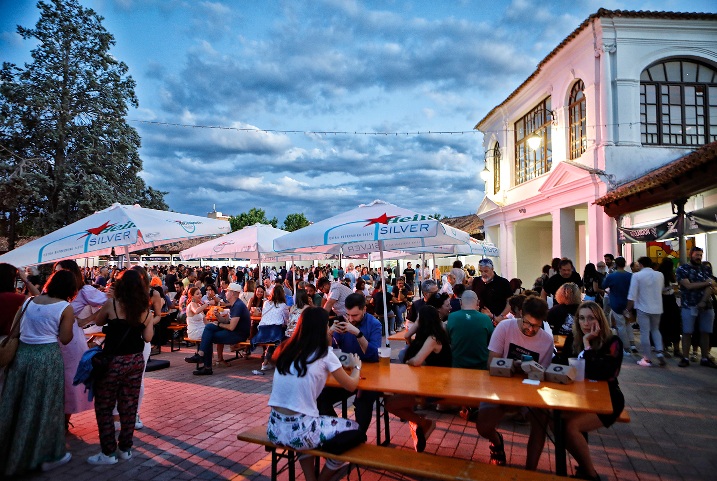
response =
{"points": [[560, 456]]}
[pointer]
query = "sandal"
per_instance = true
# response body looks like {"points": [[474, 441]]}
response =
{"points": [[222, 362], [497, 453]]}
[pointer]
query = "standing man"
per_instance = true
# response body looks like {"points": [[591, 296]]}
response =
{"points": [[566, 273], [696, 287], [400, 297], [645, 295], [409, 273], [493, 292], [618, 284], [357, 333], [170, 279], [336, 296]]}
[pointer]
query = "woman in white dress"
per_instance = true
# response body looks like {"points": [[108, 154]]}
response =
{"points": [[195, 314], [88, 301]]}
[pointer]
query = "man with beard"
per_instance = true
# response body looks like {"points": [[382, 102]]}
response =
{"points": [[696, 287], [493, 292], [566, 273]]}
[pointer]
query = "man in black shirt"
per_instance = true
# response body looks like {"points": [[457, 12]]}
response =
{"points": [[410, 274], [170, 279], [566, 273], [493, 292]]}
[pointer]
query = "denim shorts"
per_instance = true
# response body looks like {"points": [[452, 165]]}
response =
{"points": [[704, 319]]}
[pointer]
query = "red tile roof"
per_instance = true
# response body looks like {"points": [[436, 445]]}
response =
{"points": [[703, 156], [601, 13]]}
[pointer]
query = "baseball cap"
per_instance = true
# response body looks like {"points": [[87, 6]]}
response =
{"points": [[235, 287]]}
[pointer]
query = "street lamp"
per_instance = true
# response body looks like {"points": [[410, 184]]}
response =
{"points": [[485, 173], [536, 139]]}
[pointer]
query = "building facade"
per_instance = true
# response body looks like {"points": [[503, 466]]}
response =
{"points": [[622, 95]]}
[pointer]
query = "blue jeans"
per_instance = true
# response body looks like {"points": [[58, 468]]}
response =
{"points": [[400, 311], [215, 334]]}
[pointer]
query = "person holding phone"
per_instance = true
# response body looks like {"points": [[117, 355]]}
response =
{"points": [[356, 333]]}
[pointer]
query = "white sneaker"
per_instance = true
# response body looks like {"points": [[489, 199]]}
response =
{"points": [[124, 455], [266, 367], [56, 464], [102, 458], [138, 424]]}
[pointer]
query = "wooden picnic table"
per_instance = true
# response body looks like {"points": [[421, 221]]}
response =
{"points": [[470, 387]]}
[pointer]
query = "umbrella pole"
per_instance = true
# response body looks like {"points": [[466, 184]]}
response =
{"points": [[293, 275], [126, 254], [385, 307]]}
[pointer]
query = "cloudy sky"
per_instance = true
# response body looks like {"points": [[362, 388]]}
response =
{"points": [[386, 67]]}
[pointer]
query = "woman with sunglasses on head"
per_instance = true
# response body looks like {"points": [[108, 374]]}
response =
{"points": [[303, 363], [32, 411]]}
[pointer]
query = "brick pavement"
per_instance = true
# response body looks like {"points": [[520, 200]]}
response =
{"points": [[191, 425]]}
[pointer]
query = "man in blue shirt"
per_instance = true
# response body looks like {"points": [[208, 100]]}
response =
{"points": [[359, 333], [619, 284]]}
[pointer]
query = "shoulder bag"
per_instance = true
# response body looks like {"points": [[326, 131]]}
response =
{"points": [[8, 346]]}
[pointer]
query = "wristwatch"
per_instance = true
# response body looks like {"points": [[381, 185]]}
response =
{"points": [[359, 335]]}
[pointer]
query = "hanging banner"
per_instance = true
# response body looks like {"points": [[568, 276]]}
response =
{"points": [[701, 221], [661, 231]]}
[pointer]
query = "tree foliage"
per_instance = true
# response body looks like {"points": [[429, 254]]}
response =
{"points": [[66, 149], [251, 217], [295, 222]]}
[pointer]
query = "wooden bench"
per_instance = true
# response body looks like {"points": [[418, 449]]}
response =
{"points": [[243, 349], [401, 461], [92, 337], [624, 417]]}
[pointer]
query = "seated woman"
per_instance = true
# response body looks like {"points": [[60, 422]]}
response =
{"points": [[271, 327], [223, 332], [246, 296], [431, 347], [592, 340], [303, 364], [195, 314], [255, 306], [302, 302], [561, 316]]}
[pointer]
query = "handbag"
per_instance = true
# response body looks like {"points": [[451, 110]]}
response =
{"points": [[8, 346]]}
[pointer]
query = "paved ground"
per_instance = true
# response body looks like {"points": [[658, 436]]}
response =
{"points": [[191, 425]]}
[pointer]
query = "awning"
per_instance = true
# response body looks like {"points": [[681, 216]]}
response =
{"points": [[681, 178]]}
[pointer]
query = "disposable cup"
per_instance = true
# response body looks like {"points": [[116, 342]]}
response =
{"points": [[579, 365]]}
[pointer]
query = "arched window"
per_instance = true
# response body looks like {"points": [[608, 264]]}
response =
{"points": [[578, 140], [678, 103], [496, 168], [530, 163]]}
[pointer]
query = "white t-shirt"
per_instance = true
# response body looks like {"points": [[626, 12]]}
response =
{"points": [[299, 393], [509, 341], [41, 322], [646, 290]]}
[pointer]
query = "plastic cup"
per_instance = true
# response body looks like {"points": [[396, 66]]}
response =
{"points": [[384, 356], [579, 365]]}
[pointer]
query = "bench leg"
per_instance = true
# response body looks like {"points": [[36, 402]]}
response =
{"points": [[292, 466], [560, 456], [274, 463], [381, 403]]}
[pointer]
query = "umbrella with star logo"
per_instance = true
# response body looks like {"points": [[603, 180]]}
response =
{"points": [[374, 227], [130, 227]]}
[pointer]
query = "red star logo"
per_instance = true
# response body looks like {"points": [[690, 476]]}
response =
{"points": [[382, 219], [97, 230]]}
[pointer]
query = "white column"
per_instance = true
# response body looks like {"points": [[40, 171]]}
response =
{"points": [[567, 234], [556, 233], [509, 260]]}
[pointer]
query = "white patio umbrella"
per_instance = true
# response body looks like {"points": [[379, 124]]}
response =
{"points": [[254, 242], [374, 227], [128, 226], [474, 247]]}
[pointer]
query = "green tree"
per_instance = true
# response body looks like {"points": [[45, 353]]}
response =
{"points": [[295, 222], [251, 217], [66, 149], [437, 216]]}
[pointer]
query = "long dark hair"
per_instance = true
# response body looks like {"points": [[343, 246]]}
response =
{"points": [[429, 325], [308, 343], [590, 271], [302, 299], [71, 265], [668, 270], [133, 295], [255, 301]]}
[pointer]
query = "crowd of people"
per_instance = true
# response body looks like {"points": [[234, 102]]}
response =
{"points": [[458, 318]]}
